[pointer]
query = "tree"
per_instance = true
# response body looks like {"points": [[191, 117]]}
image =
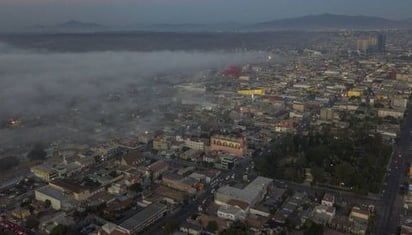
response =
{"points": [[171, 226], [318, 174], [212, 226], [344, 171], [113, 174], [313, 228], [318, 154], [37, 153], [47, 203], [237, 228], [32, 223], [353, 156], [8, 163], [136, 188], [379, 105], [60, 229]]}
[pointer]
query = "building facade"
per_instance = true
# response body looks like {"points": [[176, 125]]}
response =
{"points": [[231, 145]]}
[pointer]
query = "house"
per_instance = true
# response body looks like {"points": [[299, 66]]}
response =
{"points": [[156, 169], [204, 219], [195, 144], [231, 213], [117, 189], [211, 175], [132, 158], [180, 183], [44, 172], [253, 193], [323, 214], [210, 158], [406, 227], [359, 214], [260, 210], [359, 217], [395, 113], [56, 198], [191, 228], [171, 196], [79, 192], [328, 199], [20, 213], [161, 144], [112, 229]]}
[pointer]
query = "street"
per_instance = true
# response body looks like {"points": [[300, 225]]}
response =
{"points": [[389, 219]]}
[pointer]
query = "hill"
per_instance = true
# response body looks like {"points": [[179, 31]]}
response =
{"points": [[73, 24], [331, 21], [69, 26]]}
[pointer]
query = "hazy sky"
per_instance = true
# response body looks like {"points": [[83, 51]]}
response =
{"points": [[21, 13]]}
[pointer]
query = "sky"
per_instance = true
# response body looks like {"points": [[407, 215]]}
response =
{"points": [[26, 13]]}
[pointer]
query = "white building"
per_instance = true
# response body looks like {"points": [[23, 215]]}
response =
{"points": [[231, 213], [323, 214], [251, 194], [57, 199]]}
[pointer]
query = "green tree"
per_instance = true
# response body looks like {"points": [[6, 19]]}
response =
{"points": [[313, 228], [60, 229], [237, 228], [32, 223], [37, 153], [113, 174], [344, 171], [47, 203], [136, 188], [379, 105], [8, 163], [318, 154], [212, 226], [171, 226]]}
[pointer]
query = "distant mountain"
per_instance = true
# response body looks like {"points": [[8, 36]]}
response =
{"points": [[409, 20], [188, 27], [331, 21], [78, 26], [73, 24], [310, 22], [69, 26]]}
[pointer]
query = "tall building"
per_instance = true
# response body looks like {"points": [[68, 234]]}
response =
{"points": [[372, 44], [381, 42], [367, 44]]}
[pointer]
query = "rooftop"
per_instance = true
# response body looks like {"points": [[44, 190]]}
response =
{"points": [[51, 192], [249, 193], [158, 166], [328, 197], [142, 216]]}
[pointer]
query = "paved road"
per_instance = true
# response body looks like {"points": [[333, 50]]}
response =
{"points": [[389, 219], [182, 214]]}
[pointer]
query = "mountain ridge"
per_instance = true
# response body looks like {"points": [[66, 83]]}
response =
{"points": [[326, 21], [333, 21]]}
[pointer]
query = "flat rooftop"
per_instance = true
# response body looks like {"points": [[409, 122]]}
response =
{"points": [[51, 192], [142, 216]]}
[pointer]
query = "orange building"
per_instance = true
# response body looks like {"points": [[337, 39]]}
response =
{"points": [[231, 145]]}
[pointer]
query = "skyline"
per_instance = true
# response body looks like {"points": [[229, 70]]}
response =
{"points": [[21, 14]]}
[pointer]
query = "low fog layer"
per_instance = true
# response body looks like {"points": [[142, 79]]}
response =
{"points": [[73, 95]]}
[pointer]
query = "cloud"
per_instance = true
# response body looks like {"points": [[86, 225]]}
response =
{"points": [[76, 95]]}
